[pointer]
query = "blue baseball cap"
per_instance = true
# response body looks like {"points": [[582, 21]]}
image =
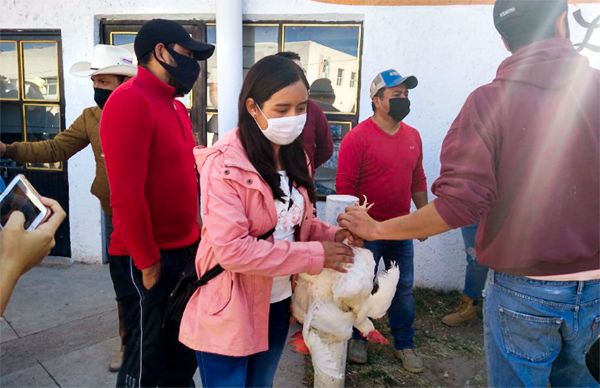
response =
{"points": [[390, 78]]}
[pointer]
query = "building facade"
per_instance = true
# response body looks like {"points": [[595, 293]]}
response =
{"points": [[450, 48]]}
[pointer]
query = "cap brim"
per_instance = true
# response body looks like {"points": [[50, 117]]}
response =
{"points": [[410, 81], [201, 50]]}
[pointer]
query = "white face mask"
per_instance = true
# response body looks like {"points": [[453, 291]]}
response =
{"points": [[283, 130]]}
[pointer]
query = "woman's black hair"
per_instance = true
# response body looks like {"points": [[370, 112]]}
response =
{"points": [[268, 76]]}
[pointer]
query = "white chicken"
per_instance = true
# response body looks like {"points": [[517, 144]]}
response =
{"points": [[331, 303]]}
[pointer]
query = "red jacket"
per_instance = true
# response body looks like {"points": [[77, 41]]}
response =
{"points": [[147, 141], [385, 168], [316, 136], [523, 154]]}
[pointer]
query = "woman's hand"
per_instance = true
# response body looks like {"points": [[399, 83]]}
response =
{"points": [[343, 234], [21, 250], [337, 255]]}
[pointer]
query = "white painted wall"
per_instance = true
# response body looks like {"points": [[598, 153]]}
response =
{"points": [[451, 50]]}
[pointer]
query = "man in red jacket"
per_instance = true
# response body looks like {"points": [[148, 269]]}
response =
{"points": [[147, 141], [381, 158], [523, 154]]}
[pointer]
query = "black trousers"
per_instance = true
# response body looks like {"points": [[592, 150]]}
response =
{"points": [[152, 357]]}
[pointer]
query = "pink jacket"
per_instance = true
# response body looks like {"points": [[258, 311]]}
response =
{"points": [[229, 315]]}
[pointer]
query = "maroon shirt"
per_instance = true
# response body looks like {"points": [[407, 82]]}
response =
{"points": [[147, 141], [316, 136], [386, 168], [523, 154]]}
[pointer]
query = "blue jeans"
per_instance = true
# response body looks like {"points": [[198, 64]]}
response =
{"points": [[475, 273], [401, 313], [256, 370], [539, 331]]}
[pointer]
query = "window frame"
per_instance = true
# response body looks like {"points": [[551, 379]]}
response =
{"points": [[36, 36], [352, 81], [340, 77]]}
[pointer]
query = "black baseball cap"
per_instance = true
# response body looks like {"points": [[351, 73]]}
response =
{"points": [[526, 15], [167, 32]]}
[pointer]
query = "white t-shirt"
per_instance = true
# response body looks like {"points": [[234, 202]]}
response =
{"points": [[288, 217]]}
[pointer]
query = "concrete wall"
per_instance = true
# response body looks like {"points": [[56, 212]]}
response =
{"points": [[450, 49]]}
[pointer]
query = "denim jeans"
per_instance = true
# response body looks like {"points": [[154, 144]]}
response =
{"points": [[539, 331], [401, 314], [475, 273], [256, 370]]}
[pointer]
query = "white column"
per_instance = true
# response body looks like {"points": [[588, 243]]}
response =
{"points": [[229, 61]]}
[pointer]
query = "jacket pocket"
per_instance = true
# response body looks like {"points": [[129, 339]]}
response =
{"points": [[530, 337], [219, 291]]}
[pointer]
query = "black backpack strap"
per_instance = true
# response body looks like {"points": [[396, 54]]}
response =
{"points": [[266, 235], [211, 273], [217, 269]]}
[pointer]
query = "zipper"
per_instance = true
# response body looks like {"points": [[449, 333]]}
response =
{"points": [[181, 127]]}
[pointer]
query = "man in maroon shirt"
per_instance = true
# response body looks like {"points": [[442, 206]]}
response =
{"points": [[147, 141], [381, 158], [523, 154], [316, 135]]}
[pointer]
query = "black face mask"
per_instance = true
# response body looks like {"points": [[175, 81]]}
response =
{"points": [[399, 108], [184, 75], [101, 96]]}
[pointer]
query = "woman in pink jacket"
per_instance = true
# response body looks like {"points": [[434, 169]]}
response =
{"points": [[253, 180]]}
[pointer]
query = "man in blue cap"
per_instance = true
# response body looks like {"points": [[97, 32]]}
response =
{"points": [[381, 158]]}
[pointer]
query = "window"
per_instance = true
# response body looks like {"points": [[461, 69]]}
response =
{"points": [[352, 79], [323, 48], [325, 66], [31, 109], [340, 77], [259, 41], [31, 102]]}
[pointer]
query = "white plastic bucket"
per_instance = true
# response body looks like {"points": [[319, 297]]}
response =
{"points": [[335, 205]]}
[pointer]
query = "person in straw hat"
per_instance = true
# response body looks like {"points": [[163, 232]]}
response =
{"points": [[110, 67]]}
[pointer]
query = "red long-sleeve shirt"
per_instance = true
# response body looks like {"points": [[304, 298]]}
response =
{"points": [[147, 141], [386, 168]]}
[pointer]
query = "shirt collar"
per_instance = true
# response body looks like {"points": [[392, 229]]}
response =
{"points": [[154, 83]]}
